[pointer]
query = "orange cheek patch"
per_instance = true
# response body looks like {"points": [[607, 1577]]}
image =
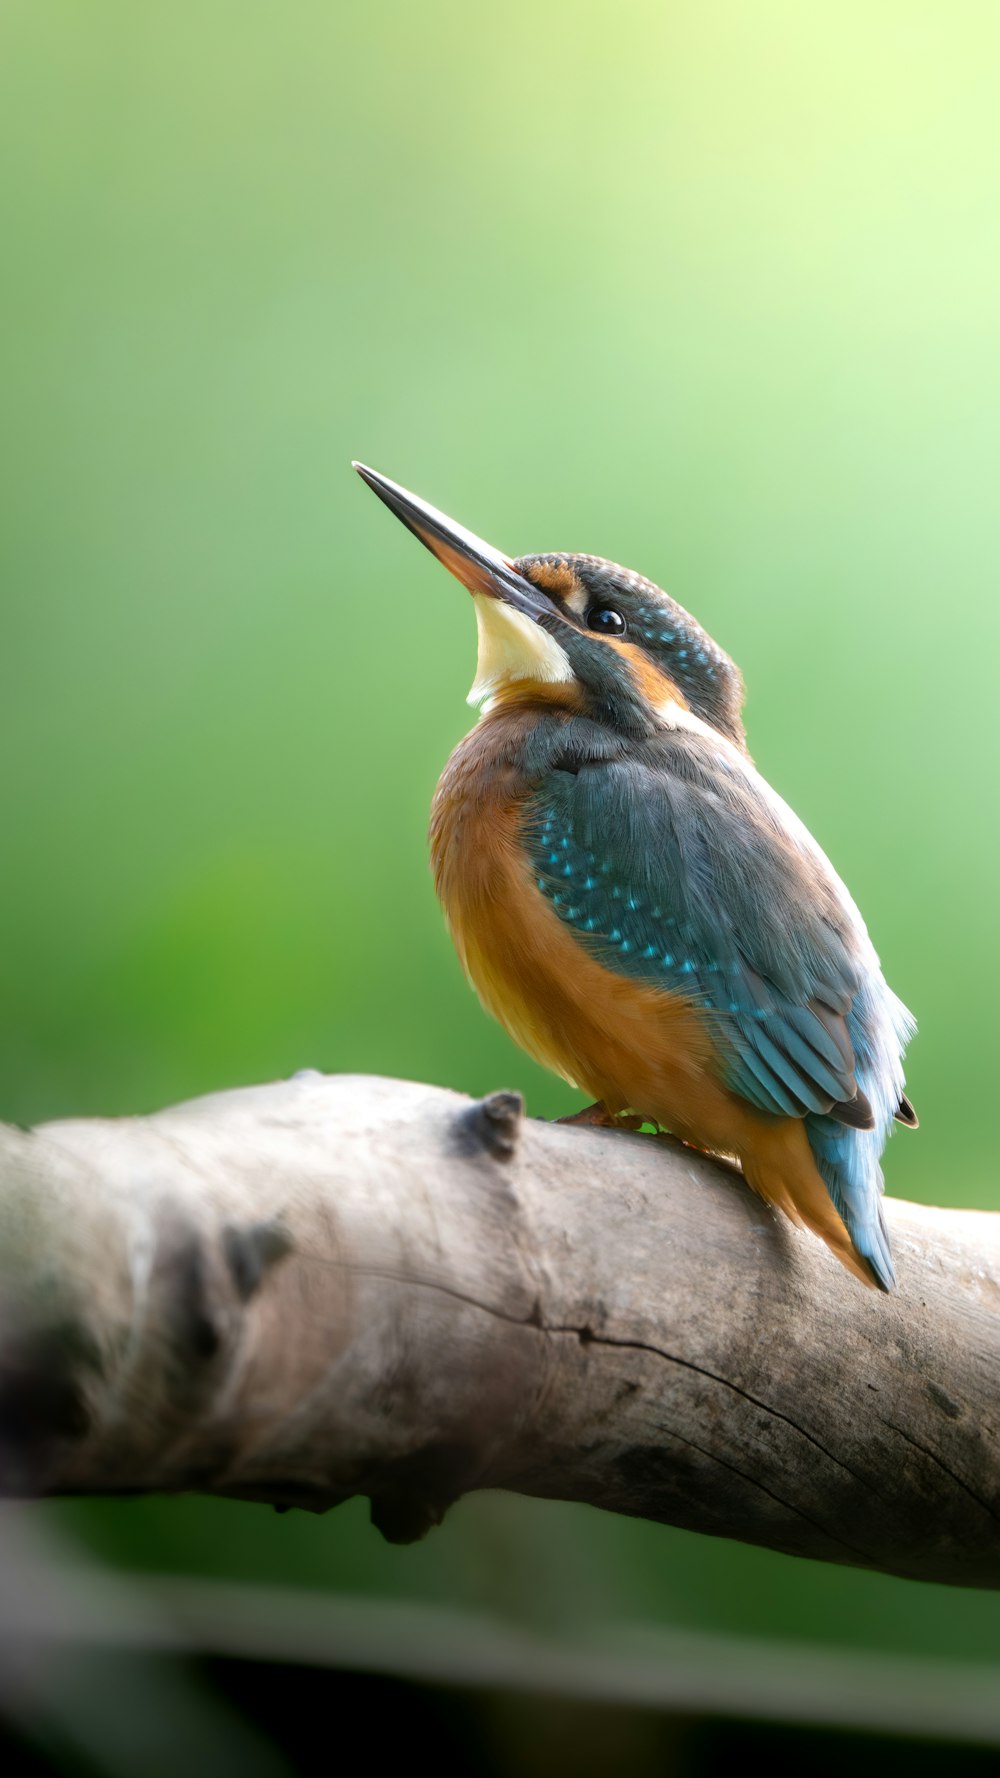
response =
{"points": [[655, 686]]}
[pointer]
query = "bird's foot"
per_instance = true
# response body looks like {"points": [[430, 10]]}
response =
{"points": [[599, 1117]]}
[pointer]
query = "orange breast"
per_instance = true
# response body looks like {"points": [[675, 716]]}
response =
{"points": [[625, 1043]]}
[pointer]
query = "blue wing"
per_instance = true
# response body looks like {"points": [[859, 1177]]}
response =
{"points": [[676, 867], [680, 876]]}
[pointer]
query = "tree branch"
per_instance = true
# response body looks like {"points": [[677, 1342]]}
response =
{"points": [[330, 1286]]}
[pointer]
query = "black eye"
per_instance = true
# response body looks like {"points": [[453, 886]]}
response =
{"points": [[605, 620]]}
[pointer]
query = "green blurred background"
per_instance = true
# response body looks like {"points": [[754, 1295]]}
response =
{"points": [[708, 287]]}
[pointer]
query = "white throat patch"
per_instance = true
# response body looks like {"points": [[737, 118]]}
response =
{"points": [[513, 647]]}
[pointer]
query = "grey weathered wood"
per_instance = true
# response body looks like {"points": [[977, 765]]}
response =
{"points": [[330, 1286]]}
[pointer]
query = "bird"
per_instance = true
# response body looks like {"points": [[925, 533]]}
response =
{"points": [[638, 907]]}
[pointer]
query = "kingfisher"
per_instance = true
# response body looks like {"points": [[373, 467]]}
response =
{"points": [[639, 908]]}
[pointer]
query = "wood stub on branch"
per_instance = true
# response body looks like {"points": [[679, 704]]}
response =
{"points": [[325, 1287]]}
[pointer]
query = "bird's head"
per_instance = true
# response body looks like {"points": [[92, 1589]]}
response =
{"points": [[579, 631]]}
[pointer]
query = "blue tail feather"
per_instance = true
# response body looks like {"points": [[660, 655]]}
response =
{"points": [[848, 1159]]}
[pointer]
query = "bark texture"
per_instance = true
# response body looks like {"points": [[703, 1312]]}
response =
{"points": [[333, 1286]]}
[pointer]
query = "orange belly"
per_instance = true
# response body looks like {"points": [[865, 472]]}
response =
{"points": [[631, 1046]]}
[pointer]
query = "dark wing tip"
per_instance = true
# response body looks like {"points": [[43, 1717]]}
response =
{"points": [[905, 1114], [856, 1112]]}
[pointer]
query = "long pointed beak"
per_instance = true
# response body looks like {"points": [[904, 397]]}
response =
{"points": [[476, 564]]}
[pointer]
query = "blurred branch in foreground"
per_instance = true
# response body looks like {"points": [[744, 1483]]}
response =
{"points": [[325, 1287], [82, 1673], [58, 1612]]}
